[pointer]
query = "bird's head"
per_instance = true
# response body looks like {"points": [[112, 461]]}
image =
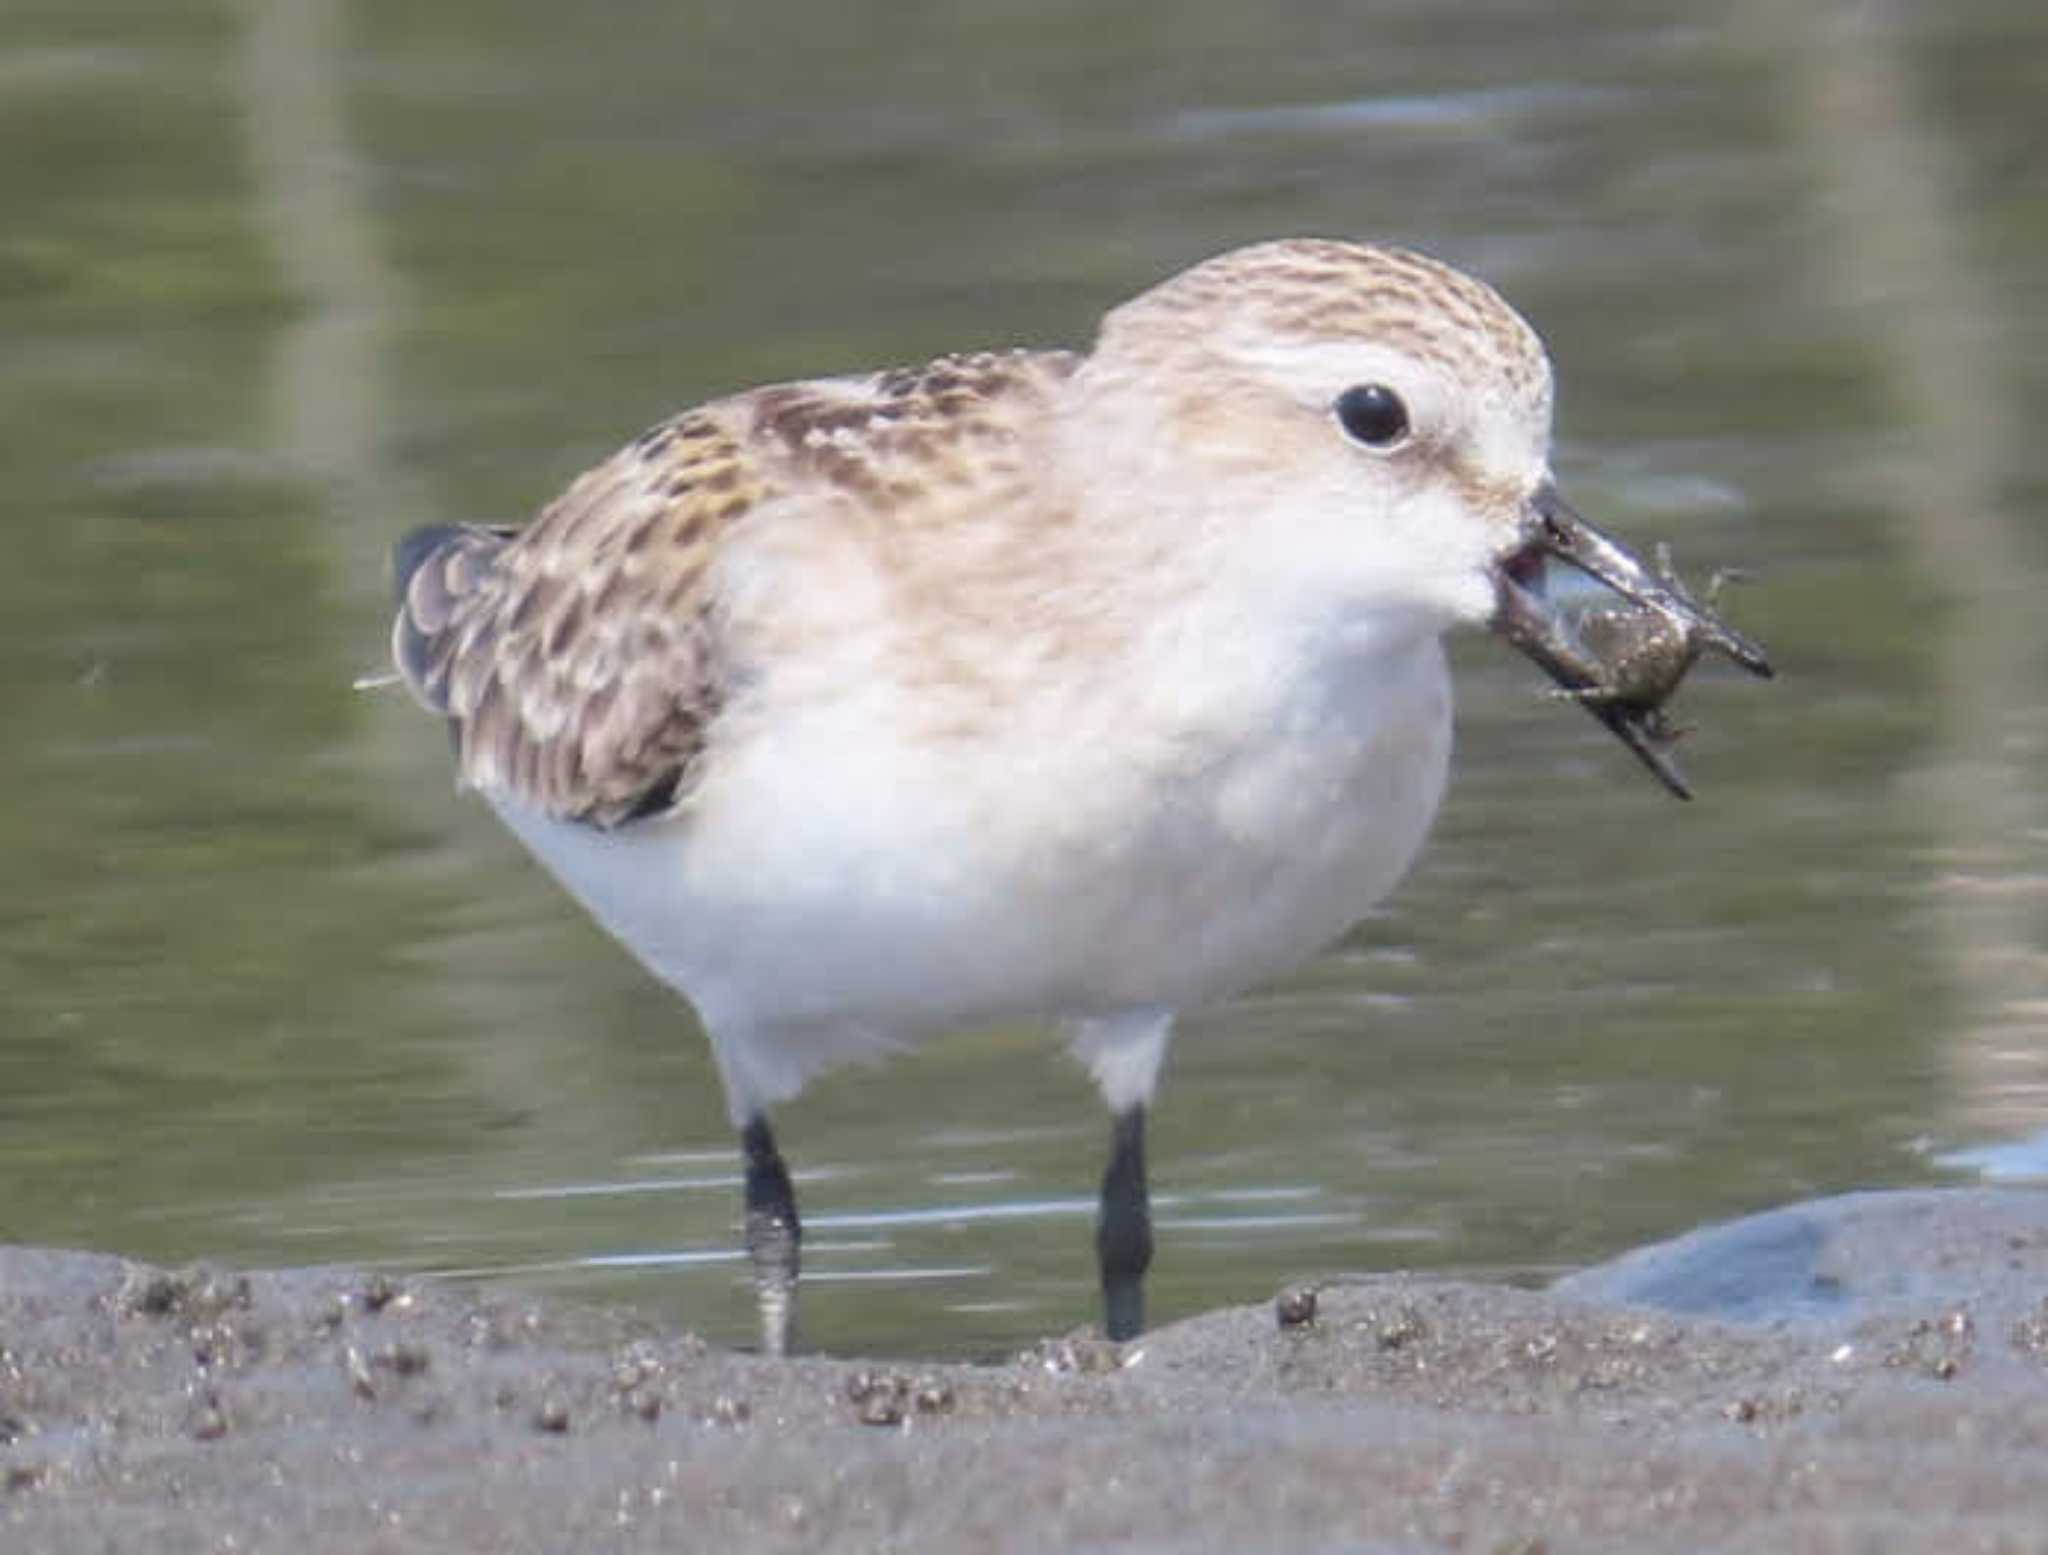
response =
{"points": [[1386, 420]]}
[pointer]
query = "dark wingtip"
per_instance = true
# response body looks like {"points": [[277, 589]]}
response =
{"points": [[412, 552], [432, 570]]}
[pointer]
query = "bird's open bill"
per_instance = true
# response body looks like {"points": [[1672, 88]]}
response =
{"points": [[1530, 614]]}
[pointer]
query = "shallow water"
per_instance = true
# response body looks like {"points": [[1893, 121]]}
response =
{"points": [[271, 992]]}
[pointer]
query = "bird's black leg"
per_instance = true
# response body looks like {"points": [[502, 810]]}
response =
{"points": [[1123, 1233], [773, 1234]]}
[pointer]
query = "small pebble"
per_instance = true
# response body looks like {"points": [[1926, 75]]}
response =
{"points": [[406, 1360], [552, 1417], [1295, 1307], [157, 1296], [881, 1409], [357, 1370], [1402, 1329]]}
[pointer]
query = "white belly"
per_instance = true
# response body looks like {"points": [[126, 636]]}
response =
{"points": [[831, 893]]}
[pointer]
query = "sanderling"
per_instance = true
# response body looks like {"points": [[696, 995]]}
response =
{"points": [[1079, 687]]}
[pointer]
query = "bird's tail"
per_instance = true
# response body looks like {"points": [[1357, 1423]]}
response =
{"points": [[434, 570]]}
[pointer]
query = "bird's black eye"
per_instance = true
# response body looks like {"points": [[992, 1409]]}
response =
{"points": [[1372, 414]]}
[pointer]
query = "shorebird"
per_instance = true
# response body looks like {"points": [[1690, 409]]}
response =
{"points": [[1034, 685]]}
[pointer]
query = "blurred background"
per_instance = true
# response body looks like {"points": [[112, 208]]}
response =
{"points": [[280, 280]]}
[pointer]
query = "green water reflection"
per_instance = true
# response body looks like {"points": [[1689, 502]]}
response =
{"points": [[276, 285]]}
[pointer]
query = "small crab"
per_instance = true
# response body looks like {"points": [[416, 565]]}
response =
{"points": [[1620, 661], [1643, 652]]}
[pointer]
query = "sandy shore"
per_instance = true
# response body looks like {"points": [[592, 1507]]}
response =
{"points": [[1860, 1374]]}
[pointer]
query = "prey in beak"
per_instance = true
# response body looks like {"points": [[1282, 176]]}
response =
{"points": [[1661, 633]]}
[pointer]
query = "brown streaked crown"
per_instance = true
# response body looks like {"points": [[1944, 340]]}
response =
{"points": [[1328, 289]]}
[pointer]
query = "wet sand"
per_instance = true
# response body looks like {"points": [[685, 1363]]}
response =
{"points": [[1858, 1374]]}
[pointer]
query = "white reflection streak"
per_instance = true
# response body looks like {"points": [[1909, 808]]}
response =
{"points": [[328, 379], [1902, 248]]}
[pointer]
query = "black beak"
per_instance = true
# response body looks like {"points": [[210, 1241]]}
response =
{"points": [[1526, 615]]}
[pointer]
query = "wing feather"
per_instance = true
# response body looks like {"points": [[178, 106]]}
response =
{"points": [[576, 661], [581, 662]]}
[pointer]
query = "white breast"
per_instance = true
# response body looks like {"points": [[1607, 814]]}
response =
{"points": [[836, 889]]}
